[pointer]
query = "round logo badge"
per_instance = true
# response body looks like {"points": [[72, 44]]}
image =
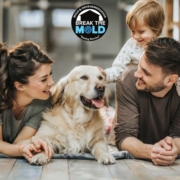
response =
{"points": [[89, 22]]}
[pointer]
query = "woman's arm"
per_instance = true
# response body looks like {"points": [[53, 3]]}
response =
{"points": [[22, 145], [12, 149], [25, 135]]}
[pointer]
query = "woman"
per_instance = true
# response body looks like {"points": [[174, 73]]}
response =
{"points": [[25, 78]]}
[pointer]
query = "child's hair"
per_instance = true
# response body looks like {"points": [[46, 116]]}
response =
{"points": [[150, 11], [18, 64]]}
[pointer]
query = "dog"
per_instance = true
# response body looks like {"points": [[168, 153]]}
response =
{"points": [[75, 124]]}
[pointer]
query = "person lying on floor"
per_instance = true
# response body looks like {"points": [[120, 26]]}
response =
{"points": [[25, 78], [148, 106]]}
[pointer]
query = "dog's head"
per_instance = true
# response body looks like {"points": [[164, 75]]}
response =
{"points": [[84, 85]]}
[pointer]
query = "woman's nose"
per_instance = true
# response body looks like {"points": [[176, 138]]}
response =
{"points": [[51, 82]]}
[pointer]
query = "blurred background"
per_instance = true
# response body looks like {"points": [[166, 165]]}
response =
{"points": [[48, 23]]}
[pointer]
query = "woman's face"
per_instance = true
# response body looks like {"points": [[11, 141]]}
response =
{"points": [[40, 83]]}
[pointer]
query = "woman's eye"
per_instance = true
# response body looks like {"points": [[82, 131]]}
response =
{"points": [[84, 77], [43, 80], [100, 77]]}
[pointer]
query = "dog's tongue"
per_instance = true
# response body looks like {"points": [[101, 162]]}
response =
{"points": [[98, 103]]}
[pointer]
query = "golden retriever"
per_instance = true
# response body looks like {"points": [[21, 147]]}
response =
{"points": [[74, 124]]}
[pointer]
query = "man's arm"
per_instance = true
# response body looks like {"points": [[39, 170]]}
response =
{"points": [[177, 143], [162, 153], [127, 112], [174, 129], [137, 148]]}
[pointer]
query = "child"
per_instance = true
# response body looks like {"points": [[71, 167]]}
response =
{"points": [[145, 20]]}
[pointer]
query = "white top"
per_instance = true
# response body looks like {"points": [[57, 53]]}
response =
{"points": [[128, 55]]}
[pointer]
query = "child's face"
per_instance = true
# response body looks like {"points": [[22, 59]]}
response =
{"points": [[142, 33]]}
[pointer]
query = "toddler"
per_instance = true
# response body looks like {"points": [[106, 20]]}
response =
{"points": [[145, 20]]}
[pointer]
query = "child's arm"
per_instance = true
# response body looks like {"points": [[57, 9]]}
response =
{"points": [[122, 60]]}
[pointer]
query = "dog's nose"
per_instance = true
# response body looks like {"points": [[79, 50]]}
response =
{"points": [[100, 88]]}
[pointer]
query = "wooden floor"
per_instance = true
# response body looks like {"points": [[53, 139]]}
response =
{"points": [[74, 169]]}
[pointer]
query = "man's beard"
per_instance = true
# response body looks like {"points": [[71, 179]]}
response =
{"points": [[155, 88]]}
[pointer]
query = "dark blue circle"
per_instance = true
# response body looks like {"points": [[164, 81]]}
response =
{"points": [[87, 29]]}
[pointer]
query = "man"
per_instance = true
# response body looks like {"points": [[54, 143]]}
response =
{"points": [[148, 106]]}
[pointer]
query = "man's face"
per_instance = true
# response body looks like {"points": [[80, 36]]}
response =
{"points": [[150, 77]]}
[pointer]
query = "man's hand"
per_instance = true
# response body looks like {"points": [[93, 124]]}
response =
{"points": [[166, 143], [164, 152]]}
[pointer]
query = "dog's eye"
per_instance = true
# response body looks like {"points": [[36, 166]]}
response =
{"points": [[100, 78], [84, 77]]}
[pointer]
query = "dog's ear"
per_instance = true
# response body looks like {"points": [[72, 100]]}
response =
{"points": [[102, 71], [58, 90]]}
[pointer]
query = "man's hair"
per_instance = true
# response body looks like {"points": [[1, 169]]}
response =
{"points": [[150, 11], [164, 52]]}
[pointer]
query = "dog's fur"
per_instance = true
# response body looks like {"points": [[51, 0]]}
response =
{"points": [[74, 124]]}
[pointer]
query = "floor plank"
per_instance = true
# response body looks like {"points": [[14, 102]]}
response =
{"points": [[177, 161], [88, 170], [166, 175], [139, 170], [5, 167], [121, 171], [24, 171], [162, 172], [151, 167], [75, 169], [176, 165], [55, 170]]}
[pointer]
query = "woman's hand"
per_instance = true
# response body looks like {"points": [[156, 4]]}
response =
{"points": [[36, 146], [28, 150], [42, 145]]}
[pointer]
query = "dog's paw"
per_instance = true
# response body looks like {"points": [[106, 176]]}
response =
{"points": [[106, 158], [39, 159]]}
